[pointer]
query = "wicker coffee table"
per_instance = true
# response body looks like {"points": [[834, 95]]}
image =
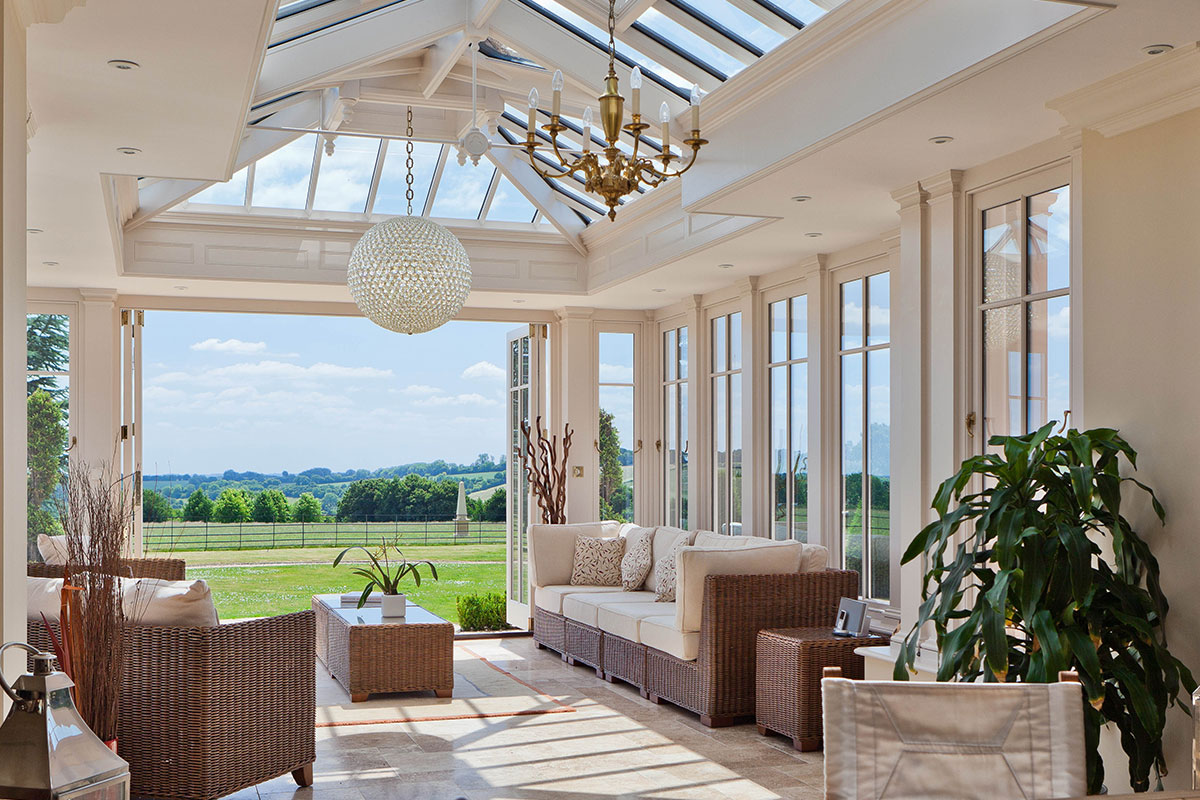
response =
{"points": [[788, 678], [368, 653]]}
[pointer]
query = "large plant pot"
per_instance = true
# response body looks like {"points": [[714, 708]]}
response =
{"points": [[393, 605]]}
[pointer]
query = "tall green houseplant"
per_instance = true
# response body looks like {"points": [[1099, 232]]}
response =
{"points": [[1019, 588]]}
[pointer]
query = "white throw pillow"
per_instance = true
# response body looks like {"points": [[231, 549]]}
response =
{"points": [[664, 571], [52, 548], [597, 561], [43, 596], [636, 564], [153, 601]]}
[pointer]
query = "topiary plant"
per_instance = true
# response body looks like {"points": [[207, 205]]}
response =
{"points": [[1026, 590]]}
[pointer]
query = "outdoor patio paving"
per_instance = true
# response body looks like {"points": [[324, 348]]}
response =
{"points": [[615, 744]]}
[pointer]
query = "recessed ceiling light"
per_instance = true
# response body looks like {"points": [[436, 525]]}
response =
{"points": [[802, 198], [724, 266], [658, 290], [1157, 49], [941, 139], [518, 300], [33, 230], [181, 288], [812, 235], [49, 263], [123, 64], [129, 151]]}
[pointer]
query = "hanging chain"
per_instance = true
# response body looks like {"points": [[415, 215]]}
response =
{"points": [[408, 162], [612, 27]]}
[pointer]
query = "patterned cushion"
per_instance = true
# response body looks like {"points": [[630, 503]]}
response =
{"points": [[635, 566], [597, 561], [664, 570]]}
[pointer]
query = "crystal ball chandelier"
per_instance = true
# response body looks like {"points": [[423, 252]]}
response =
{"points": [[409, 274], [617, 174]]}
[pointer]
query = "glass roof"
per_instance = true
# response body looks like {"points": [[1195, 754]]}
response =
{"points": [[366, 177]]}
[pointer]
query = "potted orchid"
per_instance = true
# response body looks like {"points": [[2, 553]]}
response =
{"points": [[385, 570]]}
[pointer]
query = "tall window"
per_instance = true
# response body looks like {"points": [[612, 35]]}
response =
{"points": [[788, 370], [726, 379], [616, 444], [865, 359], [47, 385], [675, 426], [1026, 308]]}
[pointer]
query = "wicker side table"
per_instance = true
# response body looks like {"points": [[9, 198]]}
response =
{"points": [[788, 678]]}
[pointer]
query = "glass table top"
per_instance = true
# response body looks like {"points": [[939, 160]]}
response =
{"points": [[373, 615]]}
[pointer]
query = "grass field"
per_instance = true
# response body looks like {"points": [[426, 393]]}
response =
{"points": [[191, 536], [325, 555], [259, 591]]}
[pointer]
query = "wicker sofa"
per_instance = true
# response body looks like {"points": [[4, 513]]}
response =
{"points": [[205, 712], [699, 652]]}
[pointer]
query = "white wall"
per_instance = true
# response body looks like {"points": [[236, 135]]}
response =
{"points": [[1141, 325]]}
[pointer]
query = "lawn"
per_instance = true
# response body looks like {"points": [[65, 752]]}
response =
{"points": [[325, 555], [259, 591]]}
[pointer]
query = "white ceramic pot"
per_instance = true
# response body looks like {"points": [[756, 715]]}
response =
{"points": [[393, 605]]}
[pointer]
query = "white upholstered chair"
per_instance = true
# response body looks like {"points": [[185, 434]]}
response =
{"points": [[899, 740]]}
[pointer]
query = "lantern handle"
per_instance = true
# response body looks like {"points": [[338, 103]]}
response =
{"points": [[3, 683]]}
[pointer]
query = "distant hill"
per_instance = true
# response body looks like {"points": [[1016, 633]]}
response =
{"points": [[327, 485]]}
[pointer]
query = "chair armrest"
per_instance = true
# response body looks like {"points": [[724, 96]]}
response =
{"points": [[170, 569], [552, 550]]}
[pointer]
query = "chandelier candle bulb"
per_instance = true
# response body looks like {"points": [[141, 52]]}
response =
{"points": [[587, 129], [533, 106], [557, 85], [635, 84], [664, 116], [695, 108]]}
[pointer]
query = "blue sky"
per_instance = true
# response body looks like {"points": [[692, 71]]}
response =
{"points": [[271, 392]]}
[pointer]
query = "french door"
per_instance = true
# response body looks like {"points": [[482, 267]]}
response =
{"points": [[130, 444], [526, 402]]}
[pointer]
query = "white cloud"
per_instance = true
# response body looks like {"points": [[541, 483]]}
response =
{"points": [[471, 399], [273, 372], [616, 373], [419, 390], [234, 346], [483, 370]]}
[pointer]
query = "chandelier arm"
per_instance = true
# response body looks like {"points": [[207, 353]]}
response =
{"points": [[664, 174], [533, 162]]}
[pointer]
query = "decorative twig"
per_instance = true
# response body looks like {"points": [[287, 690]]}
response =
{"points": [[545, 471]]}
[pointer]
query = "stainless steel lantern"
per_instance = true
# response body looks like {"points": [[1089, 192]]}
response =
{"points": [[46, 750]]}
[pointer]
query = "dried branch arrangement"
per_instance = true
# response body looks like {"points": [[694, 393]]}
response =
{"points": [[96, 507], [546, 469]]}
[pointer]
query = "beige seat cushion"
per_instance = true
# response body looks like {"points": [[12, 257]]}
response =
{"points": [[53, 549], [550, 598], [696, 563], [584, 607], [621, 619], [661, 634], [968, 741], [552, 549], [43, 596]]}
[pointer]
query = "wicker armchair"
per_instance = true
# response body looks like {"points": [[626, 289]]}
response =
{"points": [[169, 569], [205, 712]]}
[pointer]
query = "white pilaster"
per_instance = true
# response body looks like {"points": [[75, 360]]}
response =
{"points": [[756, 511], [98, 390], [580, 408], [823, 427], [698, 428]]}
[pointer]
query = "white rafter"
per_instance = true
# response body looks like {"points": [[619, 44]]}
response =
{"points": [[440, 58], [705, 32], [764, 16], [514, 165]]}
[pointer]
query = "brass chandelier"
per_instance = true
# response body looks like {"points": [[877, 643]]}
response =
{"points": [[616, 174]]}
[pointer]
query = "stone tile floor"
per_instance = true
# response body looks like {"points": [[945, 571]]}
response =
{"points": [[616, 745]]}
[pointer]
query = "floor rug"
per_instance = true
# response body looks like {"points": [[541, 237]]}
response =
{"points": [[481, 689]]}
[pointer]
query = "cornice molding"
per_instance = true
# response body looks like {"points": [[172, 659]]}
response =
{"points": [[910, 196], [98, 295], [944, 184], [32, 12], [567, 313], [1148, 93]]}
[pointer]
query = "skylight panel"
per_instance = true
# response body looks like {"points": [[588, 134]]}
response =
{"points": [[626, 54], [805, 11], [461, 190], [227, 193], [732, 21], [490, 48], [509, 205], [281, 178], [389, 198], [704, 54], [344, 178]]}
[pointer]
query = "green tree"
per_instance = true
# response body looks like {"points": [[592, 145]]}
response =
{"points": [[46, 443], [199, 508], [613, 503], [270, 506], [48, 348], [155, 507], [495, 508], [231, 507], [307, 509]]}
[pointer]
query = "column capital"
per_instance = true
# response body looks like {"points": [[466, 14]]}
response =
{"points": [[910, 196], [942, 184], [1072, 135], [574, 313], [748, 284], [98, 295], [816, 265]]}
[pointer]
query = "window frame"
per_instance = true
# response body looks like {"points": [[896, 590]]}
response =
{"points": [[682, 384], [1021, 186], [634, 385], [726, 310], [71, 312], [788, 294]]}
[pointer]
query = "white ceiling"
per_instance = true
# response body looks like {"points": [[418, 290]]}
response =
{"points": [[184, 110]]}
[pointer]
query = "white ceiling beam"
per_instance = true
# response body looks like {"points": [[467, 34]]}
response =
{"points": [[553, 47], [405, 65], [708, 34], [319, 17], [382, 35], [514, 165], [628, 14], [765, 16], [440, 58], [406, 91], [670, 59], [481, 12], [165, 194]]}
